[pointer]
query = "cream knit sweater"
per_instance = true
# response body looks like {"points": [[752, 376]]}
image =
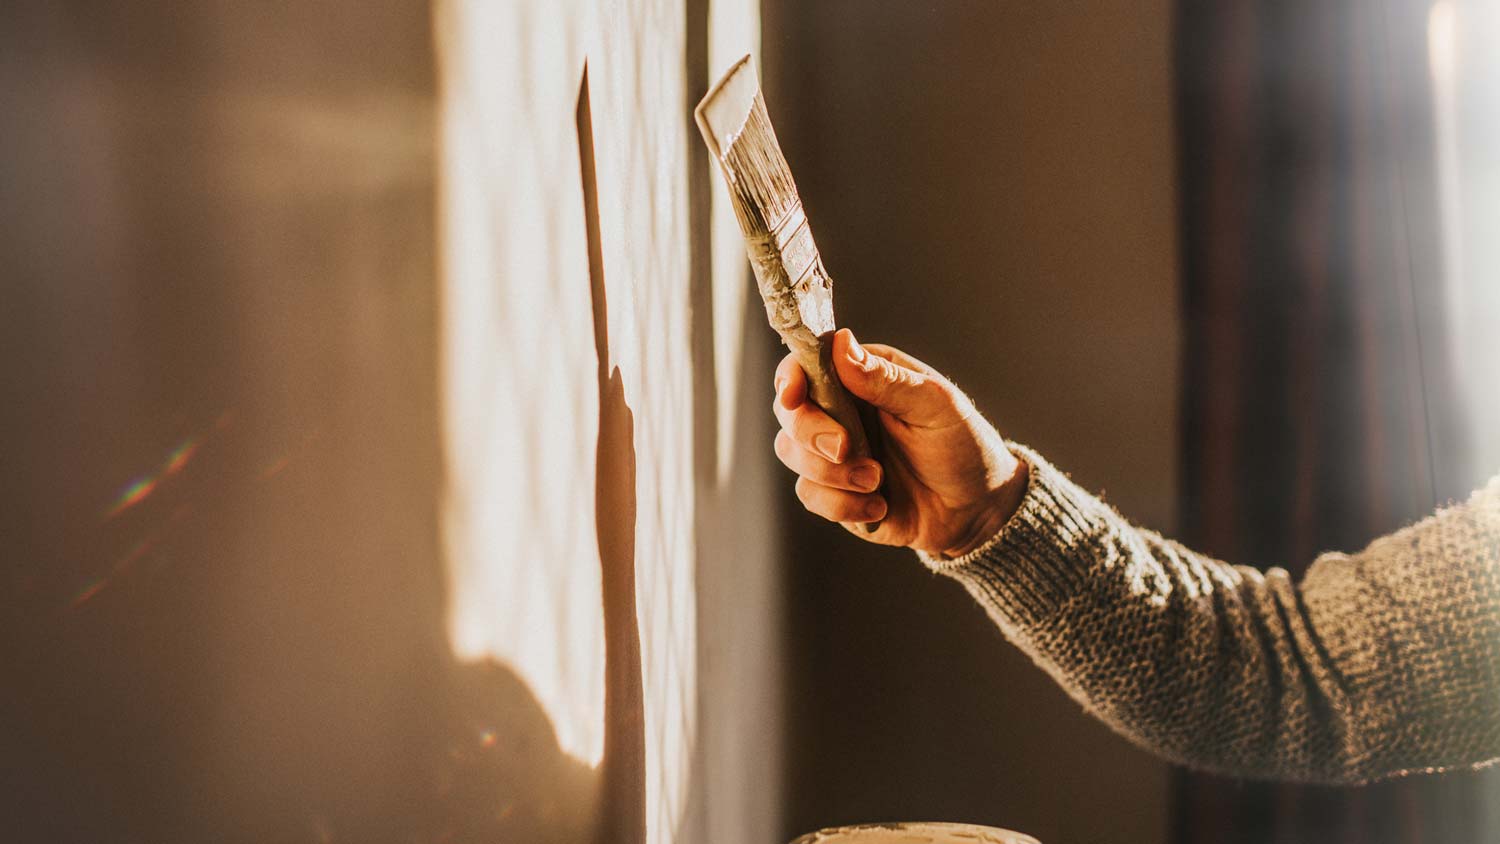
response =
{"points": [[1376, 664]]}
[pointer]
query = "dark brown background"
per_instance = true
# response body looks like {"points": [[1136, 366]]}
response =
{"points": [[992, 187]]}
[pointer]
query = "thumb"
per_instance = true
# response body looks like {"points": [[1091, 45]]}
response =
{"points": [[915, 397]]}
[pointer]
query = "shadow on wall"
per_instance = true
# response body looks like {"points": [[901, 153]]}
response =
{"points": [[622, 816], [225, 288], [546, 795]]}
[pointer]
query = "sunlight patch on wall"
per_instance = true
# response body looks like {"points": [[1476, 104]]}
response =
{"points": [[567, 371], [518, 362], [640, 122], [734, 30], [543, 315], [1465, 76]]}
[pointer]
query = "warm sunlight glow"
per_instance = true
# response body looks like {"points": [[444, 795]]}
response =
{"points": [[1441, 46], [519, 395], [1441, 57], [568, 389], [1465, 77], [734, 30]]}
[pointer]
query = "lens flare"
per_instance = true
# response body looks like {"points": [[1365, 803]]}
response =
{"points": [[135, 493], [122, 566], [141, 488], [276, 466], [180, 457], [90, 591]]}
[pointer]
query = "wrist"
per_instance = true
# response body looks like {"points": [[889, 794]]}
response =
{"points": [[994, 512]]}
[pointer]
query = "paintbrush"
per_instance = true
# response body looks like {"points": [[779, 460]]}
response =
{"points": [[789, 272]]}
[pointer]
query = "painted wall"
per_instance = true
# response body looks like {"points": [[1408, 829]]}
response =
{"points": [[992, 188], [375, 462], [593, 351]]}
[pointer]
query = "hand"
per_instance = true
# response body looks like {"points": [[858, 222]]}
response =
{"points": [[950, 482]]}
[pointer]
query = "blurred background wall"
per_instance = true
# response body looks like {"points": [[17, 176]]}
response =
{"points": [[992, 186], [1334, 160], [1058, 204], [373, 467]]}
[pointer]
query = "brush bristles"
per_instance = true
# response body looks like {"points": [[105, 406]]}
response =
{"points": [[764, 192]]}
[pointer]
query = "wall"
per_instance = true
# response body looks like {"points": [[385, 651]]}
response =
{"points": [[593, 353], [992, 188], [374, 464]]}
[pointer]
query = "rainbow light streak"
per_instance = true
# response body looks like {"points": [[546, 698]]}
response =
{"points": [[134, 494], [141, 488], [123, 565], [276, 466], [180, 457], [90, 591]]}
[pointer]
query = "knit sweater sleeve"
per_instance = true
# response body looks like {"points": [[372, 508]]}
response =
{"points": [[1375, 664]]}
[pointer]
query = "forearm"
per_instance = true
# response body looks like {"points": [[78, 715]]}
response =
{"points": [[1227, 668]]}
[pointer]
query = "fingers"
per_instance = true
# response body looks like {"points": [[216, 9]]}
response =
{"points": [[806, 423], [840, 505], [855, 476], [811, 444], [896, 356], [898, 384], [791, 382]]}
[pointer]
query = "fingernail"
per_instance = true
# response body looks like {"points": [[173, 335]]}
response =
{"points": [[857, 352], [862, 359], [877, 510], [866, 477], [780, 384], [828, 445]]}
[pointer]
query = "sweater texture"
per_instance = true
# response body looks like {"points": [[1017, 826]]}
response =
{"points": [[1375, 664]]}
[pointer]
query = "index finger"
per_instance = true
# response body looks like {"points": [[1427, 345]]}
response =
{"points": [[791, 383]]}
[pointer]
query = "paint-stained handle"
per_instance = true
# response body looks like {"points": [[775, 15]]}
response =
{"points": [[827, 392]]}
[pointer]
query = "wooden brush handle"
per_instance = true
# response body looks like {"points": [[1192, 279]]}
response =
{"points": [[828, 392]]}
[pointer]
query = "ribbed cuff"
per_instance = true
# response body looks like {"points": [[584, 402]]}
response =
{"points": [[1040, 557]]}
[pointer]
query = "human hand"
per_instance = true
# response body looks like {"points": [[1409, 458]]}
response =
{"points": [[950, 482]]}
